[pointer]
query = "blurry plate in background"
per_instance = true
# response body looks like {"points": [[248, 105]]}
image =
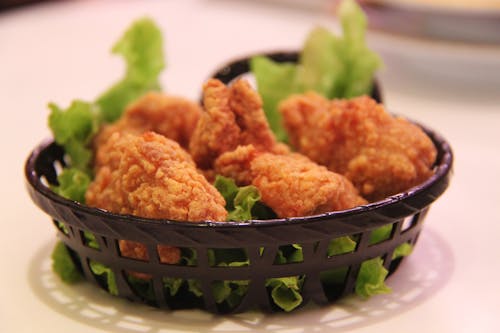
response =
{"points": [[452, 20], [475, 67], [451, 41]]}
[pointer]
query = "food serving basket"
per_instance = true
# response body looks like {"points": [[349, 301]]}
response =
{"points": [[260, 240]]}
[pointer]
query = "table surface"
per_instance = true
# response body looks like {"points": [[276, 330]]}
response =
{"points": [[57, 51]]}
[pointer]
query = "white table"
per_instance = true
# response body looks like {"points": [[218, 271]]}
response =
{"points": [[59, 51]]}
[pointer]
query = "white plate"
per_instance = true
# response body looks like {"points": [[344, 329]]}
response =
{"points": [[466, 64], [465, 21]]}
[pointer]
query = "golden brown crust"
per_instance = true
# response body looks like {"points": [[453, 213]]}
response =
{"points": [[380, 154], [291, 185], [135, 250], [216, 131], [173, 117], [154, 178], [236, 164], [233, 117]]}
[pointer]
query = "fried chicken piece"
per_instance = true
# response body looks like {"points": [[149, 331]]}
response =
{"points": [[382, 155], [233, 116], [135, 250], [153, 177], [291, 184], [216, 131], [173, 117]]}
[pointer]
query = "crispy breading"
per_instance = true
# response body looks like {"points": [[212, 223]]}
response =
{"points": [[291, 184], [151, 176], [173, 117], [216, 131], [154, 178], [233, 116], [382, 155], [135, 250]]}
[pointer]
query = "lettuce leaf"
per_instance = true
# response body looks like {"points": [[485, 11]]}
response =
{"points": [[360, 62], [341, 245], [230, 292], [285, 291], [74, 127], [383, 233], [141, 46], [402, 250], [172, 285], [289, 254], [63, 265], [73, 184], [334, 66], [269, 75], [371, 278], [107, 274], [242, 203], [372, 273]]}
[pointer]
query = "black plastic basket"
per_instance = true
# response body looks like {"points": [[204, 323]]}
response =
{"points": [[259, 240]]}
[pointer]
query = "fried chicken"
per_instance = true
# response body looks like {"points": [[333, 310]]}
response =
{"points": [[155, 178], [173, 117], [233, 117], [151, 176], [382, 155], [291, 184]]}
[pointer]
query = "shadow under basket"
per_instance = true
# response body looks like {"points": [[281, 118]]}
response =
{"points": [[93, 236]]}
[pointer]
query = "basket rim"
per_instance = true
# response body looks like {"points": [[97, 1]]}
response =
{"points": [[443, 169]]}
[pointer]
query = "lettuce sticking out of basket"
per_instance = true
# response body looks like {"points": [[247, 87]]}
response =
{"points": [[63, 265], [372, 273], [334, 66], [228, 292], [383, 233], [106, 274], [242, 203], [402, 250], [74, 127], [285, 291], [371, 278], [73, 184], [341, 245], [141, 46]]}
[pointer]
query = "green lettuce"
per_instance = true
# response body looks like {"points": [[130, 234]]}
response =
{"points": [[74, 127], [334, 66], [141, 46], [73, 184], [289, 254], [341, 245], [371, 278], [372, 273], [242, 203], [383, 233], [106, 274], [285, 291], [269, 75], [230, 292], [63, 265], [402, 250]]}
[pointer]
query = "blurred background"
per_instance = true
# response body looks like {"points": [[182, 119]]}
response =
{"points": [[441, 68]]}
